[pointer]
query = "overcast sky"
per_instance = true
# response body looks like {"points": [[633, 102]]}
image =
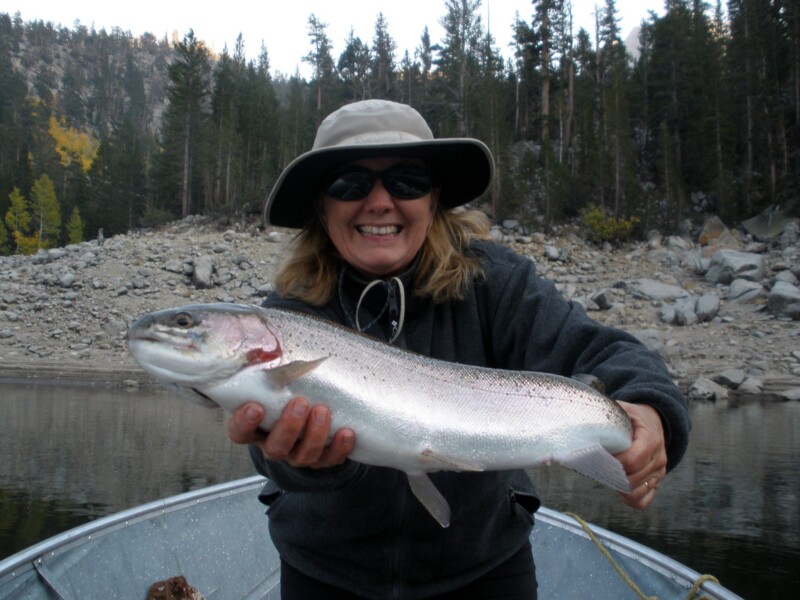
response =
{"points": [[282, 25]]}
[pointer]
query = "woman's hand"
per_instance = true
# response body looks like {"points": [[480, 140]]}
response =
{"points": [[299, 436], [645, 461]]}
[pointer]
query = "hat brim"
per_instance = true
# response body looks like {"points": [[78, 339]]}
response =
{"points": [[463, 169]]}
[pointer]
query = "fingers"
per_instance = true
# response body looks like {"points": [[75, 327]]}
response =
{"points": [[644, 491], [287, 430], [243, 424], [301, 436], [342, 445], [645, 461]]}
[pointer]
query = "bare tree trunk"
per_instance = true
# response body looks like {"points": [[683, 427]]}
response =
{"points": [[749, 116], [617, 150], [228, 199], [218, 169], [186, 191], [567, 141], [773, 167], [722, 200], [545, 24], [796, 41]]}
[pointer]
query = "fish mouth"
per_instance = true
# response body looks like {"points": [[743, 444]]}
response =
{"points": [[161, 338]]}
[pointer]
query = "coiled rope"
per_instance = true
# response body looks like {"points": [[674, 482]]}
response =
{"points": [[692, 593], [696, 587]]}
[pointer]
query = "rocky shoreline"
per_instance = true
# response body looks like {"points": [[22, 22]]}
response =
{"points": [[723, 309]]}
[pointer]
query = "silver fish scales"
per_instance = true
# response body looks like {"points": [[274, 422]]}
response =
{"points": [[408, 412]]}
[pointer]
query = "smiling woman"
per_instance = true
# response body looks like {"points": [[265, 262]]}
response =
{"points": [[380, 233], [385, 247], [370, 192]]}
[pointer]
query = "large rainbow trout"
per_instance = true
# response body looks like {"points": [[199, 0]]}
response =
{"points": [[408, 412]]}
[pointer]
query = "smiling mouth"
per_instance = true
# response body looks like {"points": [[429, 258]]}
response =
{"points": [[379, 230]]}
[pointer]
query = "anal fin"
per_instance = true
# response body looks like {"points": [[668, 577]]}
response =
{"points": [[597, 463], [430, 497], [449, 464]]}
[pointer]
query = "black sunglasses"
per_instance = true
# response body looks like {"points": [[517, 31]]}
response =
{"points": [[403, 182]]}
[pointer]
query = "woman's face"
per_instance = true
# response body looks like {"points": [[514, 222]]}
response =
{"points": [[379, 235]]}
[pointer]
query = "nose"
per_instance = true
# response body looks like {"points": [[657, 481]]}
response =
{"points": [[378, 198]]}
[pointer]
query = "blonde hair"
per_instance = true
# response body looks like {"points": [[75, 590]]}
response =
{"points": [[445, 270]]}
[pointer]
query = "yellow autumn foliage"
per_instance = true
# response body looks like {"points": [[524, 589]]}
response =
{"points": [[73, 146], [26, 244]]}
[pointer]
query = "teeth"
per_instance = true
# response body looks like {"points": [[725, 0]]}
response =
{"points": [[375, 230]]}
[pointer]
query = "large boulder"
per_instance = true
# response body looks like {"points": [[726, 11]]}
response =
{"points": [[716, 235], [203, 270], [770, 224], [727, 265], [783, 300], [650, 289], [742, 290], [690, 310], [707, 307]]}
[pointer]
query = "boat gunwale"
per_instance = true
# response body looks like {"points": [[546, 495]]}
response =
{"points": [[653, 559], [37, 554]]}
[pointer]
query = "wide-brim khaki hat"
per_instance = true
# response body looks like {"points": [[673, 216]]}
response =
{"points": [[462, 168]]}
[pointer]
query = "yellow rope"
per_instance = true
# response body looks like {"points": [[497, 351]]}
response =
{"points": [[692, 593], [610, 558], [696, 587]]}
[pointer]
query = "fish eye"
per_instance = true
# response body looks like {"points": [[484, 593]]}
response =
{"points": [[183, 319]]}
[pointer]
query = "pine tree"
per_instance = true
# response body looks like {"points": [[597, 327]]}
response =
{"points": [[18, 218], [259, 132], [297, 120], [545, 20], [354, 68], [586, 159], [75, 227], [458, 60], [671, 181], [727, 88], [382, 63], [424, 53], [613, 75], [12, 108], [409, 79], [228, 87], [526, 98], [4, 245], [321, 62], [184, 135]]}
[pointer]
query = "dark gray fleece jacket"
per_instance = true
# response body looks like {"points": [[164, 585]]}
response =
{"points": [[359, 527]]}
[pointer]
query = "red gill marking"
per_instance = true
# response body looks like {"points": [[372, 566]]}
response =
{"points": [[262, 355]]}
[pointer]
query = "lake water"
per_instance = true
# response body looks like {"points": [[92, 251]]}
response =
{"points": [[73, 453]]}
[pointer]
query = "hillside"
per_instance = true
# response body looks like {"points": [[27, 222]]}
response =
{"points": [[64, 313]]}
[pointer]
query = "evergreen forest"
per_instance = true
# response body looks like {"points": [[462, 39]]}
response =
{"points": [[100, 130]]}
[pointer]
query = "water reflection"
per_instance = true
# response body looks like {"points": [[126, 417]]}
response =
{"points": [[729, 509], [73, 453]]}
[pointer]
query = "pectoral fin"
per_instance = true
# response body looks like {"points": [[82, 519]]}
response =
{"points": [[430, 497], [280, 377], [597, 463]]}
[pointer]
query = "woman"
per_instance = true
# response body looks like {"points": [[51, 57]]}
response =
{"points": [[382, 250]]}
